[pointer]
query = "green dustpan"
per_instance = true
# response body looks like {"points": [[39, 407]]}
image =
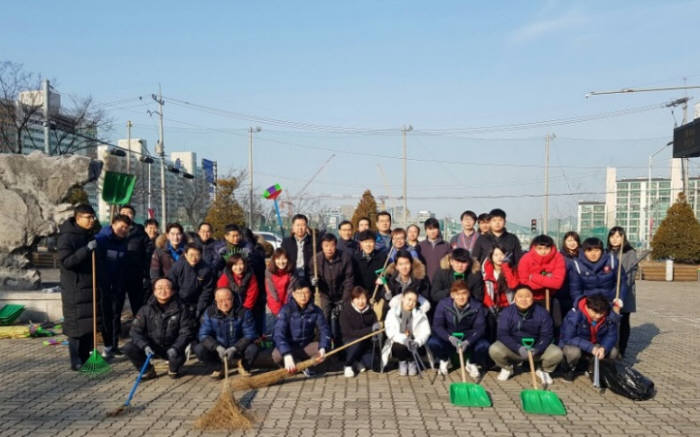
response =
{"points": [[537, 401], [467, 394], [118, 188]]}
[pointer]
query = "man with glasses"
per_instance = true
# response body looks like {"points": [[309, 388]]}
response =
{"points": [[76, 242]]}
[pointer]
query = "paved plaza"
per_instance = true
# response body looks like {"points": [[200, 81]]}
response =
{"points": [[39, 395]]}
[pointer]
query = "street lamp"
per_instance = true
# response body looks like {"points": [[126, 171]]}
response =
{"points": [[651, 157]]}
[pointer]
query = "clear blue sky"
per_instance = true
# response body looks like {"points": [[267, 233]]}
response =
{"points": [[435, 65]]}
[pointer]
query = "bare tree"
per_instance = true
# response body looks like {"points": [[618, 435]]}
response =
{"points": [[77, 127], [196, 201], [16, 115]]}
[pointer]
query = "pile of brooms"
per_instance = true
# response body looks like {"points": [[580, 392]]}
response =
{"points": [[228, 414]]}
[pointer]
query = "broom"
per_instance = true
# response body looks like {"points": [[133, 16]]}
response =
{"points": [[226, 414], [95, 364], [127, 404], [268, 378]]}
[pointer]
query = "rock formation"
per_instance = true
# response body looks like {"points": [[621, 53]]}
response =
{"points": [[32, 193]]}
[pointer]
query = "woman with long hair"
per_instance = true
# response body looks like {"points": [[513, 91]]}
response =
{"points": [[617, 240]]}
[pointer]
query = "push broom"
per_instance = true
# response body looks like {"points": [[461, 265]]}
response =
{"points": [[95, 364], [268, 378]]}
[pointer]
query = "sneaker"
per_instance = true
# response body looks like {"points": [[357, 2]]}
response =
{"points": [[472, 370], [150, 373], [217, 374], [173, 375], [403, 368], [544, 377], [443, 369], [348, 372], [569, 375], [117, 352], [504, 375], [309, 373], [107, 353], [412, 369], [188, 351]]}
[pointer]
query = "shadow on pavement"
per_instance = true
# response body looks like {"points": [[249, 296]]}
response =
{"points": [[640, 338]]}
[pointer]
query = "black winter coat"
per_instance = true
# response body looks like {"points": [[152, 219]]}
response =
{"points": [[355, 324], [419, 280], [194, 285], [169, 326], [445, 277], [137, 261], [484, 244], [289, 244], [364, 268], [335, 276], [76, 278]]}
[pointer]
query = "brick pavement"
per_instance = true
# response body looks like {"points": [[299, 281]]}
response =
{"points": [[40, 396]]}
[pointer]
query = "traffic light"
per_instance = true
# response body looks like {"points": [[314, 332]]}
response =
{"points": [[533, 225]]}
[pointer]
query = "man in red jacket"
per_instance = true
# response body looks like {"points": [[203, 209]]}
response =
{"points": [[543, 268]]}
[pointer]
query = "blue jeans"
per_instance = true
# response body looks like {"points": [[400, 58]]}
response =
{"points": [[478, 352]]}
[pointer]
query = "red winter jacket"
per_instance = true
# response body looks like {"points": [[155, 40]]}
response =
{"points": [[492, 294], [277, 287], [542, 272], [245, 286]]}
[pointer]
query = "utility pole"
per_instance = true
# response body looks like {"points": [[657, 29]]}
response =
{"points": [[45, 88], [129, 124], [404, 130], [545, 218], [160, 150], [251, 130]]}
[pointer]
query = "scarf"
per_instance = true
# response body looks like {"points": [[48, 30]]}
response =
{"points": [[595, 326], [406, 322], [175, 253]]}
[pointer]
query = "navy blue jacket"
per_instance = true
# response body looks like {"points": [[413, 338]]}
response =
{"points": [[576, 331], [219, 329], [112, 261], [563, 295], [535, 323], [194, 285], [587, 278], [295, 327], [472, 323]]}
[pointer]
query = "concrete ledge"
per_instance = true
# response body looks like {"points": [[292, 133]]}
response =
{"points": [[38, 306]]}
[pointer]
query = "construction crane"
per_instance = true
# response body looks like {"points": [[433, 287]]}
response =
{"points": [[289, 203]]}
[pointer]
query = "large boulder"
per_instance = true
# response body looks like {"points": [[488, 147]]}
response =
{"points": [[32, 193]]}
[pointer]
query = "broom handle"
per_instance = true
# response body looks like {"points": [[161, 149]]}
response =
{"points": [[317, 296], [381, 275], [138, 380], [532, 368], [345, 346], [461, 363], [94, 303], [619, 272], [223, 387], [546, 294]]}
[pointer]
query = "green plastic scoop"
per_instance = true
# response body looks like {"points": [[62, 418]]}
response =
{"points": [[118, 188], [466, 394], [537, 401]]}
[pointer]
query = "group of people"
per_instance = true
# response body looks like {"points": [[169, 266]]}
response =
{"points": [[479, 293]]}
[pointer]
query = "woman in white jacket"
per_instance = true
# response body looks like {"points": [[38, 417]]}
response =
{"points": [[407, 330]]}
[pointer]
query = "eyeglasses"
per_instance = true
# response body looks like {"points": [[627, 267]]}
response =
{"points": [[87, 217]]}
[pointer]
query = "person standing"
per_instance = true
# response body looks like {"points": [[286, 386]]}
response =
{"points": [[498, 234], [383, 230], [617, 238], [299, 246], [209, 246], [570, 248], [169, 248], [467, 238], [137, 242], [433, 248], [193, 280], [75, 246], [112, 264], [346, 243]]}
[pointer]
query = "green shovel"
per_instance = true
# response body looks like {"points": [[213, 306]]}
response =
{"points": [[118, 188], [537, 401], [467, 394]]}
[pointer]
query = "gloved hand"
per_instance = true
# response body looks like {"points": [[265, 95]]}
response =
{"points": [[148, 351], [454, 341], [230, 352], [289, 363], [617, 303], [221, 351], [381, 280], [412, 345], [464, 345], [321, 354], [314, 281], [377, 326], [92, 245], [523, 352]]}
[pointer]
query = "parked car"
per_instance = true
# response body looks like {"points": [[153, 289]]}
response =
{"points": [[271, 238]]}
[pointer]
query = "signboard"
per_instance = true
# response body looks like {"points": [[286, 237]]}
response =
{"points": [[686, 140]]}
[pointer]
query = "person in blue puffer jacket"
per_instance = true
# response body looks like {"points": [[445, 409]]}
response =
{"points": [[295, 330], [227, 333], [589, 329], [593, 273]]}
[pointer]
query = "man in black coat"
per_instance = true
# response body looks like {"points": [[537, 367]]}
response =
{"points": [[193, 280], [137, 262], [498, 234], [75, 245], [210, 247], [460, 266], [367, 261], [300, 243], [162, 328]]}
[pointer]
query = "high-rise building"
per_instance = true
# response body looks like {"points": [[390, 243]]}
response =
{"points": [[591, 219]]}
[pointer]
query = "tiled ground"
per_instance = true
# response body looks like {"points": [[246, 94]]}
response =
{"points": [[40, 396]]}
